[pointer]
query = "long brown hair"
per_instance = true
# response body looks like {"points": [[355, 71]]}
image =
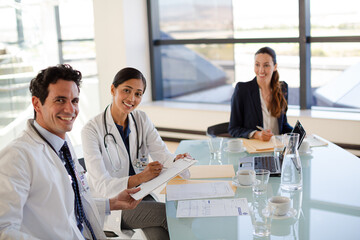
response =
{"points": [[278, 102]]}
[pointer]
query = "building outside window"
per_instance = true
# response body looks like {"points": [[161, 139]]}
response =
{"points": [[200, 49]]}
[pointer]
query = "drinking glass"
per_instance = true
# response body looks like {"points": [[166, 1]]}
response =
{"points": [[261, 181], [215, 146], [279, 143], [260, 219]]}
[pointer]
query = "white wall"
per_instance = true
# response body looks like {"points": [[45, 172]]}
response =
{"points": [[121, 39]]}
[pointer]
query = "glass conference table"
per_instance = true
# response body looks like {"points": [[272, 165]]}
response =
{"points": [[328, 206]]}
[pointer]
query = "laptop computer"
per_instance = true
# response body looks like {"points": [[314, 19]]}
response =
{"points": [[268, 161]]}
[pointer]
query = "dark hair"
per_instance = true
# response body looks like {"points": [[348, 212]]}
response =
{"points": [[126, 74], [278, 102], [39, 85]]}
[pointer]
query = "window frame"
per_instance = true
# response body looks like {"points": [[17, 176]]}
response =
{"points": [[304, 40]]}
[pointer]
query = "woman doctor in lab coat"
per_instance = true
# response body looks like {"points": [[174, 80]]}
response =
{"points": [[117, 144]]}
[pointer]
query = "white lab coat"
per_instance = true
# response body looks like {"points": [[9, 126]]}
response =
{"points": [[37, 199], [103, 180]]}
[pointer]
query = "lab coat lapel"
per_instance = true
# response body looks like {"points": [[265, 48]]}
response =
{"points": [[56, 164], [114, 131], [132, 137]]}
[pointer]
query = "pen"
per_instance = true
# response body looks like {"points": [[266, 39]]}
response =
{"points": [[260, 128]]}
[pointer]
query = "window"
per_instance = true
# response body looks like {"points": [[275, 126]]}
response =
{"points": [[200, 49], [37, 34]]}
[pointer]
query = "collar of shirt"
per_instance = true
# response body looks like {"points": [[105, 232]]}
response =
{"points": [[123, 132], [55, 141], [269, 122]]}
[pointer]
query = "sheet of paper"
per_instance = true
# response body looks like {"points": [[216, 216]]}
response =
{"points": [[177, 181], [199, 190], [212, 208], [165, 175], [315, 141], [212, 171]]}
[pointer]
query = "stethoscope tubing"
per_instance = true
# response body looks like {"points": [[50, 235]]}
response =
{"points": [[113, 137]]}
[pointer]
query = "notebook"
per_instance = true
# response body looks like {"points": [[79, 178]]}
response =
{"points": [[268, 161]]}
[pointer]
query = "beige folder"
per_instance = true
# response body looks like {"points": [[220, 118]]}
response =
{"points": [[211, 171], [258, 146]]}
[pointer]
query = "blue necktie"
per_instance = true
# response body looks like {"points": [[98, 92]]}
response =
{"points": [[65, 155]]}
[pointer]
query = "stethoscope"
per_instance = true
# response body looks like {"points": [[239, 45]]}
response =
{"points": [[107, 134]]}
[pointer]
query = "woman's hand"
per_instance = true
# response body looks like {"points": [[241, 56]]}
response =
{"points": [[264, 135], [184, 155], [151, 171]]}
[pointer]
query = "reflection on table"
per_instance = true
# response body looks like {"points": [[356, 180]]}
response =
{"points": [[328, 206]]}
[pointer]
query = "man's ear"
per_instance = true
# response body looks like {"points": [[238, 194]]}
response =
{"points": [[36, 103]]}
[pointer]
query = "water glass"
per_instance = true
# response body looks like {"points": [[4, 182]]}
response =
{"points": [[279, 144], [260, 220], [261, 181], [215, 146]]}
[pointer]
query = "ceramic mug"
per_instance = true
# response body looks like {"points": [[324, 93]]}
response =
{"points": [[304, 147], [235, 145], [246, 177], [279, 205]]}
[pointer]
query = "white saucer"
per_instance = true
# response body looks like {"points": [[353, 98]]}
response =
{"points": [[237, 184], [235, 151], [305, 153], [291, 213]]}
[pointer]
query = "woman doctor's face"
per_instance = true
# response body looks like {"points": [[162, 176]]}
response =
{"points": [[264, 67], [127, 95]]}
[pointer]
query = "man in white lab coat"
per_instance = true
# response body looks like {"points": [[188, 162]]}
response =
{"points": [[43, 191]]}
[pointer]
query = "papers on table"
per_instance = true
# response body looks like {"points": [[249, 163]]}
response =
{"points": [[165, 175], [314, 141], [212, 208], [212, 171], [199, 190], [177, 181]]}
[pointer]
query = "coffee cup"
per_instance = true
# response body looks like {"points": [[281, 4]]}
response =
{"points": [[235, 145], [279, 205], [246, 177], [304, 147]]}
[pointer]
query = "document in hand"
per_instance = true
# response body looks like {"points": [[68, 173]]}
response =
{"points": [[165, 175]]}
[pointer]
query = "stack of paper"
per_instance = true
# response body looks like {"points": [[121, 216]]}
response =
{"points": [[257, 146]]}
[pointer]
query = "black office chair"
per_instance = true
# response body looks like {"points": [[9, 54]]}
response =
{"points": [[219, 130]]}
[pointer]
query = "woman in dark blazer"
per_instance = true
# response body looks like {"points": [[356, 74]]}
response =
{"points": [[260, 102]]}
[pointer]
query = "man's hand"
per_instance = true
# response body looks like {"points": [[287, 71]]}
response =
{"points": [[124, 201]]}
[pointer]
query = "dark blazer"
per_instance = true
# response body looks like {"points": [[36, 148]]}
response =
{"points": [[246, 111]]}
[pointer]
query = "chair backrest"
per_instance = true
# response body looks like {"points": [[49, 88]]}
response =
{"points": [[284, 88], [82, 163], [219, 130]]}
